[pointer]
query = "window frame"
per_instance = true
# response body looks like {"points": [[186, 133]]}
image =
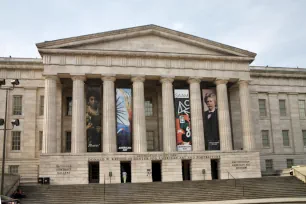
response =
{"points": [[292, 164], [265, 139], [153, 146], [17, 108], [40, 134], [282, 110], [266, 166], [15, 171], [149, 111], [304, 137], [67, 144], [68, 111], [42, 105], [17, 146], [302, 109], [261, 108], [285, 144]]}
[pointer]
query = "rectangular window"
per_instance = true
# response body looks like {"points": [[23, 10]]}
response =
{"points": [[42, 105], [15, 140], [17, 105], [148, 107], [13, 169], [262, 107], [304, 137], [282, 108], [290, 163], [269, 164], [150, 140], [286, 142], [40, 139], [69, 106], [265, 138], [302, 110], [68, 142]]}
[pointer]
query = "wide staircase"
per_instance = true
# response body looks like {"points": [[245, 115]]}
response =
{"points": [[166, 192]]}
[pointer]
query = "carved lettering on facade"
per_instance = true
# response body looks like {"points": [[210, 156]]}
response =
{"points": [[63, 169], [241, 164]]}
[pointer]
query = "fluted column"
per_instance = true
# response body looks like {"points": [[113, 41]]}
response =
{"points": [[49, 140], [169, 139], [78, 132], [246, 120], [223, 116], [139, 119], [109, 119], [197, 128]]}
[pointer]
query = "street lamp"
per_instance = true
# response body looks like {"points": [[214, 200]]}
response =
{"points": [[14, 122]]}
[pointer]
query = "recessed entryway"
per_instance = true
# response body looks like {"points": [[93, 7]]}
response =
{"points": [[94, 172], [125, 170], [214, 163], [156, 171], [186, 169]]}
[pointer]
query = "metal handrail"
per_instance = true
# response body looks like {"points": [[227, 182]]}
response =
{"points": [[14, 185], [229, 174]]}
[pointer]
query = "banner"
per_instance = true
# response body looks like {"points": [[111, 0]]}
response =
{"points": [[124, 119], [182, 119], [211, 125], [93, 118]]}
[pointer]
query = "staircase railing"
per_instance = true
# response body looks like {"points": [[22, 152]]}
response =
{"points": [[299, 175], [228, 177]]}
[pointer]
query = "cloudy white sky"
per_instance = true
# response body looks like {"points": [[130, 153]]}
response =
{"points": [[274, 29]]}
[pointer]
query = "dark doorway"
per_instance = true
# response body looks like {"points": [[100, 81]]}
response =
{"points": [[156, 171], [94, 172], [214, 163], [186, 169], [125, 166]]}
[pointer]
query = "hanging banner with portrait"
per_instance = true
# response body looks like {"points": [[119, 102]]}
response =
{"points": [[182, 119], [124, 119], [211, 124], [93, 118]]}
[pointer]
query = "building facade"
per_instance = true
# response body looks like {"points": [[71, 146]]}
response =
{"points": [[157, 104]]}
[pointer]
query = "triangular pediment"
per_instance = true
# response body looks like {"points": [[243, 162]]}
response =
{"points": [[150, 38]]}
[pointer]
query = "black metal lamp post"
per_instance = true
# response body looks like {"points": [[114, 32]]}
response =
{"points": [[4, 122]]}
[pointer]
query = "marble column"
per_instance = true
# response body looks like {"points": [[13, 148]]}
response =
{"points": [[197, 128], [246, 120], [169, 139], [223, 116], [109, 118], [139, 119], [78, 132], [49, 137]]}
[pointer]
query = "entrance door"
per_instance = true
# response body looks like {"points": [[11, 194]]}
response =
{"points": [[214, 163], [156, 171], [94, 172], [125, 166], [186, 170]]}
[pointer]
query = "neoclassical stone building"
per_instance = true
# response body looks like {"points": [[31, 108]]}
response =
{"points": [[155, 103]]}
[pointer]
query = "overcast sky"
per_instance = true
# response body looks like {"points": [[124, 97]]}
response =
{"points": [[274, 29]]}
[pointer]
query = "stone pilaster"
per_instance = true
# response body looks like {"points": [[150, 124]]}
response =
{"points": [[78, 132], [139, 119], [196, 115], [49, 138], [109, 119], [169, 140], [246, 120], [223, 116]]}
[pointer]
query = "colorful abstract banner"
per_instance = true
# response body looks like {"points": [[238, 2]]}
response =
{"points": [[182, 119], [93, 118], [124, 119], [211, 125]]}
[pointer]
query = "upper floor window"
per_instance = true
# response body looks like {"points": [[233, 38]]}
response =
{"points": [[262, 107], [69, 106], [269, 164], [286, 142], [302, 109], [42, 105], [282, 108], [150, 140], [68, 142], [40, 139], [17, 105], [290, 163], [148, 107], [265, 138], [15, 140], [13, 169], [304, 137]]}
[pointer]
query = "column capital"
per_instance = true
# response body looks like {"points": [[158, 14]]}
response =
{"points": [[138, 78], [108, 78], [192, 80], [243, 82], [166, 79], [54, 77], [221, 81], [78, 77]]}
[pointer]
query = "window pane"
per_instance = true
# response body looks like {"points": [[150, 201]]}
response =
{"points": [[262, 107], [68, 141], [304, 137], [289, 163], [40, 139], [285, 137], [148, 107], [150, 140], [302, 110], [265, 138], [42, 101], [15, 140], [69, 105], [269, 165], [282, 107], [13, 169], [17, 105]]}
